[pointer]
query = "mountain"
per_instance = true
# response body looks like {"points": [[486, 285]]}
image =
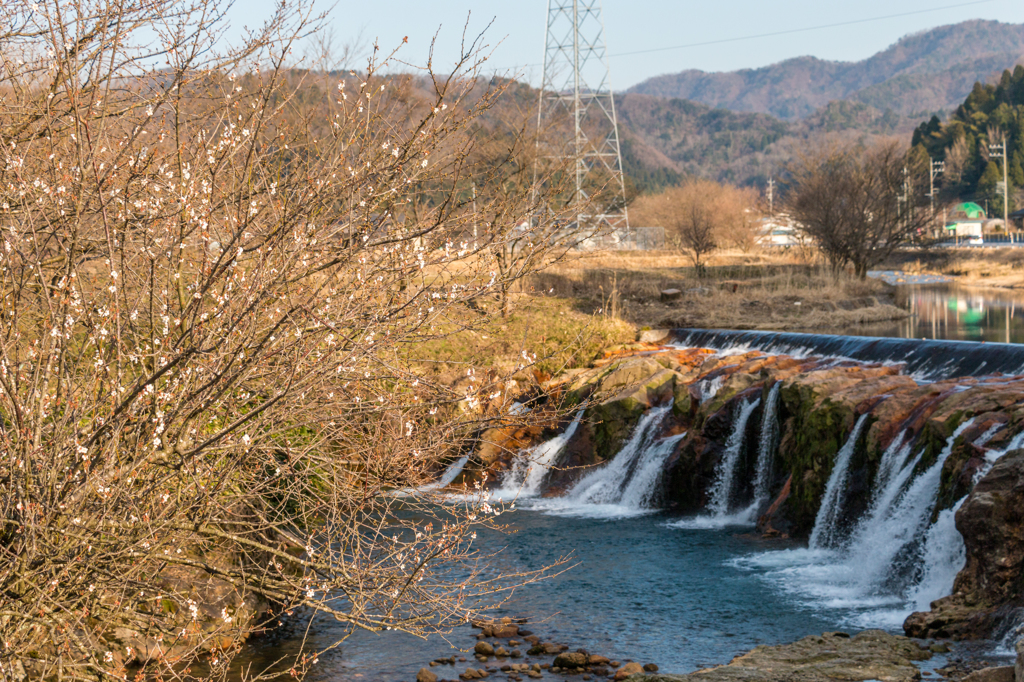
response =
{"points": [[924, 73], [664, 140]]}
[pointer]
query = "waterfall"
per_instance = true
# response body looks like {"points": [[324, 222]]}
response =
{"points": [[942, 557], [766, 450], [887, 536], [721, 492], [639, 492], [448, 476], [709, 388], [604, 485], [892, 461], [531, 466], [827, 521], [626, 485]]}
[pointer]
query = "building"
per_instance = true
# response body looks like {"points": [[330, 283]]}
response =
{"points": [[965, 220]]}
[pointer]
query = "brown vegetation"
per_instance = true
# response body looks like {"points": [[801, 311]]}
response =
{"points": [[223, 281], [700, 216]]}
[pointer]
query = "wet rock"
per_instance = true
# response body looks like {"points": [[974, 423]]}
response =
{"points": [[425, 675], [869, 655], [1000, 674], [627, 670], [571, 659], [484, 649], [651, 668], [1019, 668], [597, 659], [516, 653], [939, 648], [501, 652]]}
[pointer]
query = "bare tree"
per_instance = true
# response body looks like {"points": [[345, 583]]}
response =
{"points": [[859, 205], [699, 216], [216, 297]]}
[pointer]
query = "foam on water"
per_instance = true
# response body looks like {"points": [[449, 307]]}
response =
{"points": [[890, 562]]}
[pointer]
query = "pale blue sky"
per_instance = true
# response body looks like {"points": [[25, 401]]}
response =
{"points": [[517, 33]]}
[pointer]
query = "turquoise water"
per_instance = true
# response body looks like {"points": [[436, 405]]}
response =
{"points": [[640, 589]]}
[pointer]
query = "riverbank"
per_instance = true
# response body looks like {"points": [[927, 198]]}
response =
{"points": [[992, 267], [740, 291]]}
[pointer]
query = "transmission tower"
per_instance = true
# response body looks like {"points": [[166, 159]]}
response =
{"points": [[576, 86]]}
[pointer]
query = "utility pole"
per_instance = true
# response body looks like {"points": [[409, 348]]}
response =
{"points": [[998, 151], [576, 82], [934, 168]]}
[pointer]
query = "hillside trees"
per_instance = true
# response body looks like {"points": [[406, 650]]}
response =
{"points": [[989, 113], [859, 204], [217, 285]]}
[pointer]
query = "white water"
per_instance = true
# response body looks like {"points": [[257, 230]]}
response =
{"points": [[721, 490], [626, 485], [531, 467], [725, 478], [942, 557], [826, 522], [891, 563], [709, 388], [766, 450], [604, 485], [448, 476]]}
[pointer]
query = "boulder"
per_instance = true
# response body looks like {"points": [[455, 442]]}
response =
{"points": [[425, 675], [627, 670], [484, 649], [869, 655], [597, 659], [1001, 674], [571, 659], [668, 295]]}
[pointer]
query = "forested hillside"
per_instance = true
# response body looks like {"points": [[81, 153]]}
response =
{"points": [[924, 73], [989, 114]]}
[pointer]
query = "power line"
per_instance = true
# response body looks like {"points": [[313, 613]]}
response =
{"points": [[789, 31], [800, 30]]}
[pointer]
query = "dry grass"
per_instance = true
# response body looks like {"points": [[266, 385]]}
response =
{"points": [[984, 267], [742, 291]]}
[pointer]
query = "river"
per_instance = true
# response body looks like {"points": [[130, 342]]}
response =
{"points": [[950, 311], [655, 588]]}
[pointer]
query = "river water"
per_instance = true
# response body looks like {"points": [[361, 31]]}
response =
{"points": [[684, 593], [644, 587], [949, 311]]}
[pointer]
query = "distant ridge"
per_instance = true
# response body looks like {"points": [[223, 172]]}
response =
{"points": [[926, 72]]}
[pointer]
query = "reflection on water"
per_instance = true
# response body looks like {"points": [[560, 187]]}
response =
{"points": [[946, 311]]}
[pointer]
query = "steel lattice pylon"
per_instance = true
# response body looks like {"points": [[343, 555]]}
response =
{"points": [[576, 86]]}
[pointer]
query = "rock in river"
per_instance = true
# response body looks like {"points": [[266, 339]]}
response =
{"points": [[870, 655]]}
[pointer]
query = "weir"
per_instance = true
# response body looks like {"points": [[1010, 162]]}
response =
{"points": [[925, 359], [874, 502]]}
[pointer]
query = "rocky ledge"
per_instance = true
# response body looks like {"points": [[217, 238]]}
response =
{"points": [[869, 655]]}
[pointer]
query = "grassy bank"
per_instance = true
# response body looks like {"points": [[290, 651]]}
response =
{"points": [[980, 267], [741, 291]]}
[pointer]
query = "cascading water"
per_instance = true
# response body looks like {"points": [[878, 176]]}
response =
{"points": [[721, 492], [766, 450], [892, 560], [888, 534], [827, 521], [531, 466], [604, 485], [626, 485]]}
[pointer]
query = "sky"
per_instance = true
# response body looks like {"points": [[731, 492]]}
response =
{"points": [[644, 36]]}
